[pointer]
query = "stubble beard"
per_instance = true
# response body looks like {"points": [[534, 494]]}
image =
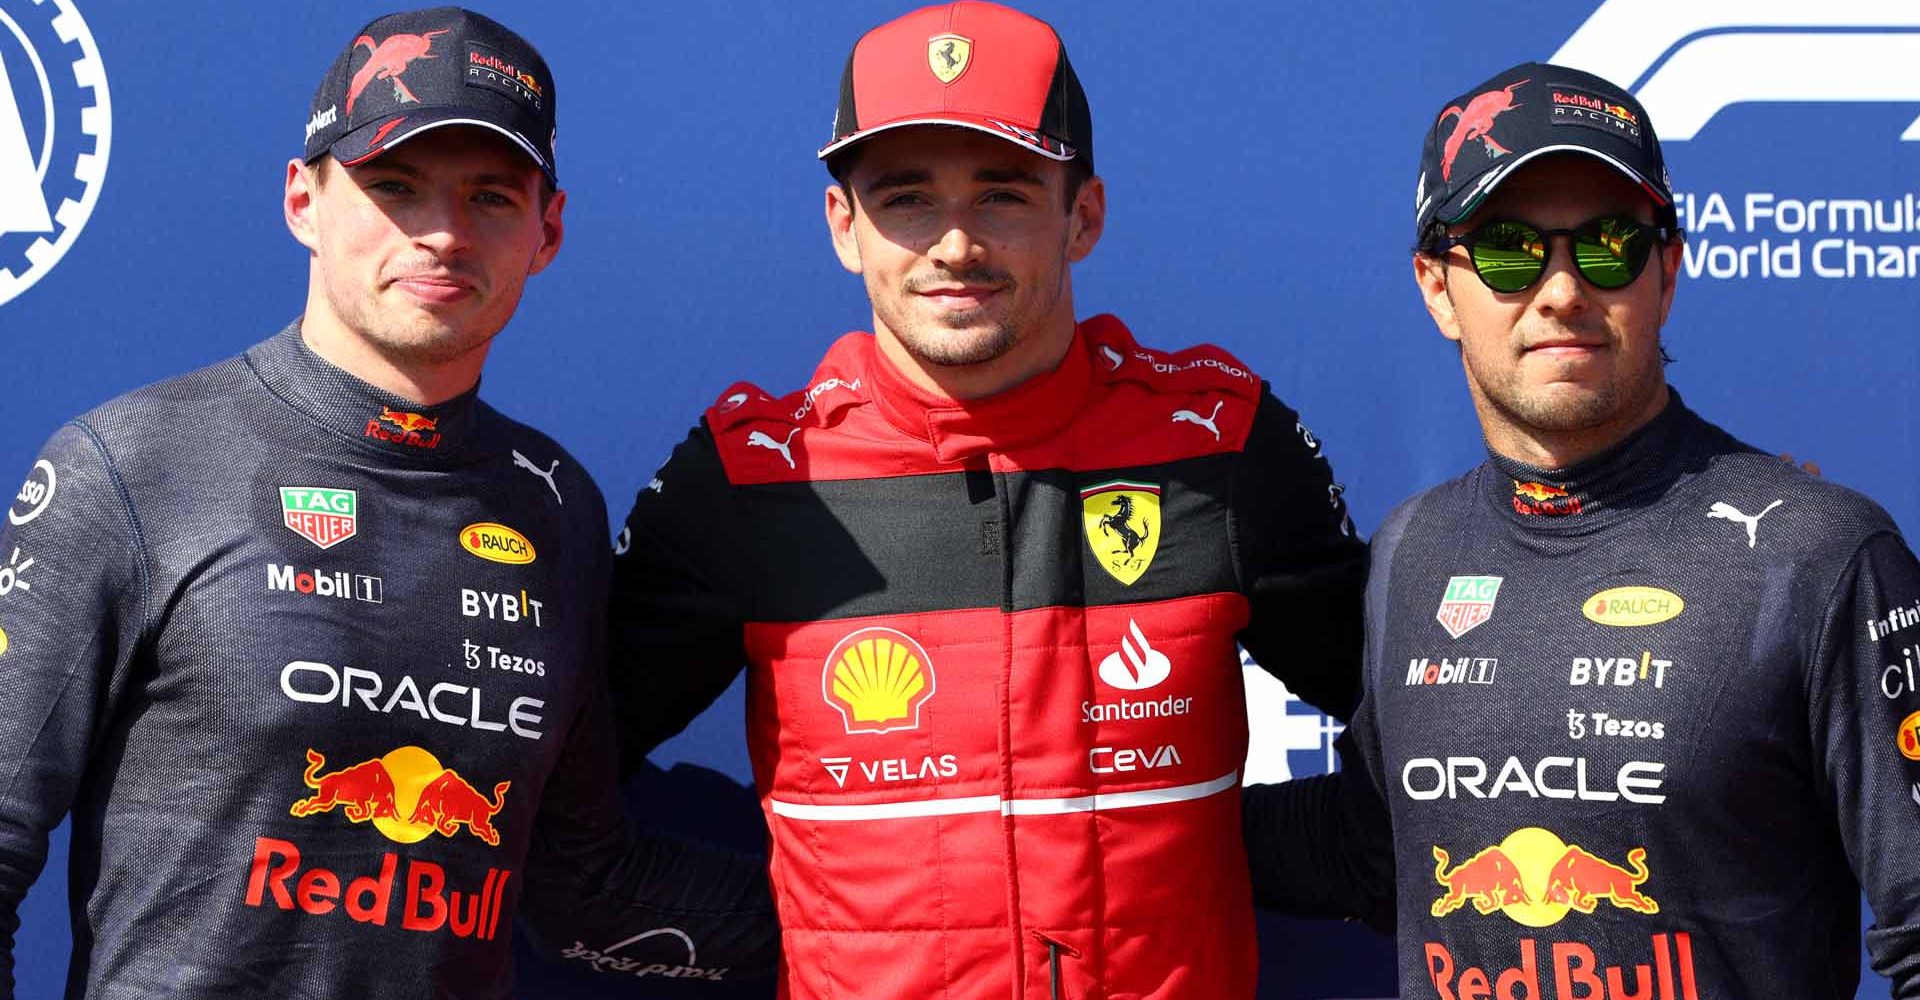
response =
{"points": [[957, 339], [409, 337], [1563, 407]]}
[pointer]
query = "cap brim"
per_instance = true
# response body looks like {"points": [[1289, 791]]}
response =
{"points": [[376, 137], [1469, 198], [1027, 139]]}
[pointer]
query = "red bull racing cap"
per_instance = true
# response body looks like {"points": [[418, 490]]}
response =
{"points": [[1481, 137], [407, 73], [970, 64]]}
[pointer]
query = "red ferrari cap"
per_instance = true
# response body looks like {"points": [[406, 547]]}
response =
{"points": [[972, 64]]}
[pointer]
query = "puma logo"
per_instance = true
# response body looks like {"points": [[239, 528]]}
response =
{"points": [[525, 463], [1190, 417], [1728, 512], [759, 439]]}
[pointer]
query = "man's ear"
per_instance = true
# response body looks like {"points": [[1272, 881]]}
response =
{"points": [[1430, 273], [297, 204], [840, 210], [1089, 215]]}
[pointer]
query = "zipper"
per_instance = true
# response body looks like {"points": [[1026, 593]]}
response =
{"points": [[1055, 989]]}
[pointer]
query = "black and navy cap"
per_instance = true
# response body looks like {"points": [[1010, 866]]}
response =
{"points": [[417, 70], [1481, 137], [971, 64]]}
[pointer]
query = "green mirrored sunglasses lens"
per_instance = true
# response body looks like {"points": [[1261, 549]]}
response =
{"points": [[1508, 256], [1611, 252]]}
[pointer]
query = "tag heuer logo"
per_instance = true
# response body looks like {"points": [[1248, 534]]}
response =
{"points": [[325, 517], [1468, 604]]}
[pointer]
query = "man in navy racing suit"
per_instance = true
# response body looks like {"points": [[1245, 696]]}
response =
{"points": [[1640, 700], [322, 691]]}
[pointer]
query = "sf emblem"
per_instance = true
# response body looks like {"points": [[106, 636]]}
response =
{"points": [[948, 56], [1123, 526]]}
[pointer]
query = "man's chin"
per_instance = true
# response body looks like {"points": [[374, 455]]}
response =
{"points": [[959, 348]]}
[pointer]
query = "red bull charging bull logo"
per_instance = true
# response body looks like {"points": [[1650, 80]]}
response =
{"points": [[406, 795], [1543, 499], [1534, 878]]}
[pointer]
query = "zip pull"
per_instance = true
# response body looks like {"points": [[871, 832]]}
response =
{"points": [[1054, 950]]}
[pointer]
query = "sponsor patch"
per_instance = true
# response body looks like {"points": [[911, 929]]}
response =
{"points": [[487, 68], [321, 515], [1535, 879], [1467, 603], [35, 495], [497, 543], [1909, 737], [1574, 106], [1627, 607], [878, 679]]}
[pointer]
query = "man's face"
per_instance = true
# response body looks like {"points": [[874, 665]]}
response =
{"points": [[964, 241], [423, 251], [1561, 358]]}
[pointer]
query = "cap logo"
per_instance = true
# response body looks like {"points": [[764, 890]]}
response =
{"points": [[1476, 122], [388, 60], [948, 56], [490, 68], [1573, 106]]}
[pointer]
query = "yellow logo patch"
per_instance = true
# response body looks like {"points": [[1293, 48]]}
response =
{"points": [[1909, 734], [1123, 526], [497, 542], [1630, 606], [949, 56], [3, 642], [877, 679]]}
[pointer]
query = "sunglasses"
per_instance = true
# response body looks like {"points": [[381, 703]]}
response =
{"points": [[1510, 255]]}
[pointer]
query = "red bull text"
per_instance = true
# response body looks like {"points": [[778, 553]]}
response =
{"points": [[1576, 970], [427, 906]]}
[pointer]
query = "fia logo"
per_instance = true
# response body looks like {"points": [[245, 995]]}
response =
{"points": [[1687, 61], [55, 131]]}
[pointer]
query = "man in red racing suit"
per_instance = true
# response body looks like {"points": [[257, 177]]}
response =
{"points": [[988, 570]]}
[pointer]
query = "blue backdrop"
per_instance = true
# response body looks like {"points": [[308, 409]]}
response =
{"points": [[1260, 162]]}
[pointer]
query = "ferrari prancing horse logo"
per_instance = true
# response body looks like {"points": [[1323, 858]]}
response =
{"points": [[948, 56], [1123, 526]]}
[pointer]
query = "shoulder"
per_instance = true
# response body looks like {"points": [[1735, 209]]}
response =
{"points": [[540, 455], [158, 422], [1806, 517], [837, 383], [1118, 357]]}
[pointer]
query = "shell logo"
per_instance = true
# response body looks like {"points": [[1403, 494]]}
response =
{"points": [[1630, 606], [497, 542], [877, 679]]}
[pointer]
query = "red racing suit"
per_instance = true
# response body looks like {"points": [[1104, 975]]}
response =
{"points": [[995, 704]]}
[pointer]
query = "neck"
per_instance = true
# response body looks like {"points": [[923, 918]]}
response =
{"points": [[1036, 353], [424, 383], [1550, 449]]}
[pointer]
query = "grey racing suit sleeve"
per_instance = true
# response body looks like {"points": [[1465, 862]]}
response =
{"points": [[1864, 715], [73, 610]]}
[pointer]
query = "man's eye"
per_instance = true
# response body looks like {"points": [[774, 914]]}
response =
{"points": [[494, 198], [1006, 198], [390, 187], [905, 200]]}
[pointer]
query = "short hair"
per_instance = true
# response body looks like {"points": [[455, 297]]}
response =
{"points": [[841, 164]]}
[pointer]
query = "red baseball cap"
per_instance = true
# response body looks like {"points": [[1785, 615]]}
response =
{"points": [[972, 64]]}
